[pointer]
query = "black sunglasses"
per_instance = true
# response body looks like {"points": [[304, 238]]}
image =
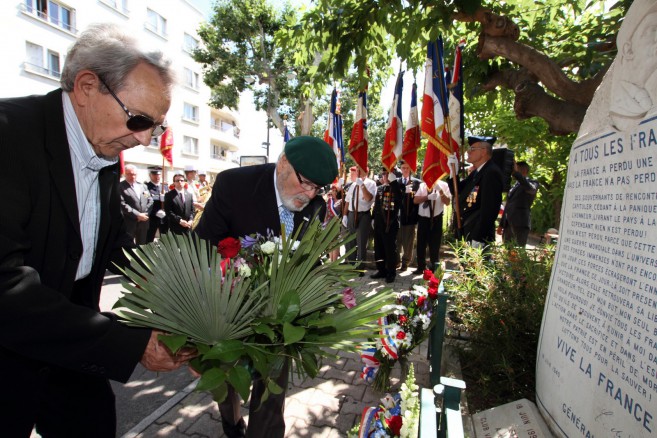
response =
{"points": [[307, 185], [137, 122]]}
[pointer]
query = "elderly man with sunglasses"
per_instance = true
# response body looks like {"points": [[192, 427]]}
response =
{"points": [[266, 198], [64, 227]]}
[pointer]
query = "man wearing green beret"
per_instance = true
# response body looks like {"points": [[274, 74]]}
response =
{"points": [[279, 197]]}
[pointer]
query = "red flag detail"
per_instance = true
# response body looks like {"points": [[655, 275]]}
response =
{"points": [[358, 140], [166, 145], [412, 135]]}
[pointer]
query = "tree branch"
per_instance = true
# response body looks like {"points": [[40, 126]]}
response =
{"points": [[531, 100]]}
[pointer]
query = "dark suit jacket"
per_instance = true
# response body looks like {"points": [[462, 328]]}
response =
{"points": [[480, 198], [133, 202], [517, 211], [387, 202], [42, 323], [176, 211], [243, 202]]}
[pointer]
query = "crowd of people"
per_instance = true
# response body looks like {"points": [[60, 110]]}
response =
{"points": [[75, 219]]}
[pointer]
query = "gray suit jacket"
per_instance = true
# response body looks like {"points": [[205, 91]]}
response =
{"points": [[133, 202]]}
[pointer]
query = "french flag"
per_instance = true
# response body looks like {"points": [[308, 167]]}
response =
{"points": [[393, 143], [333, 133], [412, 135]]}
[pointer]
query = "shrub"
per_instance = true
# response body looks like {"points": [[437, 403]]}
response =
{"points": [[498, 300]]}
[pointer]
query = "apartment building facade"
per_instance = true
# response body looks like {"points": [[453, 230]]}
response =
{"points": [[36, 35]]}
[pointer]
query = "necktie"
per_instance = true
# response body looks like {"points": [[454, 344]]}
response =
{"points": [[287, 219], [182, 197]]}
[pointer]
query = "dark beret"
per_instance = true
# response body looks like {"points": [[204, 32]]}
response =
{"points": [[313, 158], [477, 138]]}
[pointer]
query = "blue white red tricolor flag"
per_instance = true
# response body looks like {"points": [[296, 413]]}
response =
{"points": [[413, 134], [358, 140], [434, 116], [333, 132], [394, 139]]}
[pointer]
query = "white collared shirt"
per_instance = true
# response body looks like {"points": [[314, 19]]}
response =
{"points": [[438, 205], [363, 205], [86, 166]]}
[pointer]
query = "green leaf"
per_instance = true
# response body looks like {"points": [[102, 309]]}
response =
{"points": [[273, 387], [211, 379], [240, 378], [309, 363], [288, 307], [292, 333], [226, 351], [173, 342], [219, 393], [264, 329]]}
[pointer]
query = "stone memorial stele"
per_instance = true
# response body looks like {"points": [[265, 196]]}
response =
{"points": [[597, 355]]}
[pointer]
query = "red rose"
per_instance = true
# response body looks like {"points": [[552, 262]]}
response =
{"points": [[433, 292], [420, 300], [401, 335], [434, 282], [225, 264], [394, 424], [172, 187], [229, 247], [402, 319], [427, 274]]}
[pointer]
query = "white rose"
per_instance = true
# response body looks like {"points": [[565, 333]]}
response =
{"points": [[268, 248], [244, 270]]}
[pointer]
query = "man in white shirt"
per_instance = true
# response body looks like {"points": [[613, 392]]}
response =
{"points": [[430, 222], [359, 199]]}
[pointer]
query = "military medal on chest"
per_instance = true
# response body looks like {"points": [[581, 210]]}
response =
{"points": [[472, 197]]}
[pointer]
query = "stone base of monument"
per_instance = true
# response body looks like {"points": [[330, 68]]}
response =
{"points": [[518, 419]]}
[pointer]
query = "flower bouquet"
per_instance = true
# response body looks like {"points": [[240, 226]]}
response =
{"points": [[266, 301], [407, 324], [398, 415]]}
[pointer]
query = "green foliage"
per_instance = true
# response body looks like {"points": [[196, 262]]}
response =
{"points": [[498, 302], [270, 305]]}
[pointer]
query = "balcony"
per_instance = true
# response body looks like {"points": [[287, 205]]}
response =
{"points": [[48, 18], [42, 71]]}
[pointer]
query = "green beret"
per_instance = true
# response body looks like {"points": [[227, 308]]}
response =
{"points": [[313, 158]]}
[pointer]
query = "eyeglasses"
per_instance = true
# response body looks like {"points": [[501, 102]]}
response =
{"points": [[307, 185], [474, 149], [137, 122], [178, 180]]}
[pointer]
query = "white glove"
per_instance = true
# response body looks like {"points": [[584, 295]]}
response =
{"points": [[409, 189], [453, 164], [161, 214], [432, 196], [340, 182], [372, 223], [344, 221], [392, 177], [476, 244], [359, 181]]}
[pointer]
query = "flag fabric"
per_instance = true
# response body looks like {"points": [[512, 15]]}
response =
{"points": [[394, 139], [358, 140], [166, 145], [455, 101], [412, 135], [434, 115], [333, 132], [286, 134], [121, 163]]}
